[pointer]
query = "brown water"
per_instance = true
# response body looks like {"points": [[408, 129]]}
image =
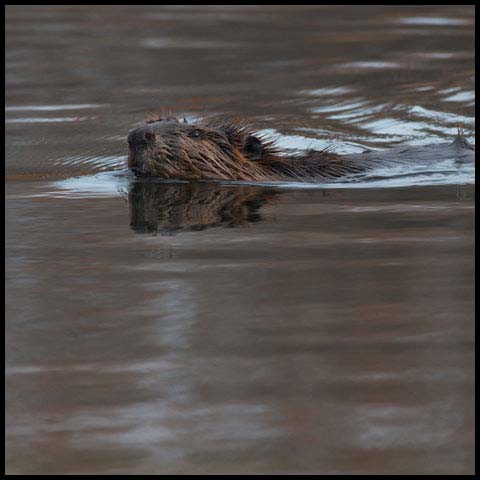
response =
{"points": [[202, 328]]}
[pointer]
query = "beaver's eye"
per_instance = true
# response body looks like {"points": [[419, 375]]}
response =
{"points": [[195, 134], [253, 148]]}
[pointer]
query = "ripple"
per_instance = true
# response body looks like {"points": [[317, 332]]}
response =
{"points": [[358, 114], [434, 21], [295, 142], [398, 130], [441, 116], [424, 89], [51, 108], [328, 92], [104, 184], [339, 107], [436, 55], [370, 65], [186, 43], [466, 96], [97, 160], [46, 119]]}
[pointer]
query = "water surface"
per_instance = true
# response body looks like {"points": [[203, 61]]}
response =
{"points": [[169, 327]]}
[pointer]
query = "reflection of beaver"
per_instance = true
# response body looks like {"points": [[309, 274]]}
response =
{"points": [[168, 208], [167, 148]]}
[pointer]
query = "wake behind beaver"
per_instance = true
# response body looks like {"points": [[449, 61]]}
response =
{"points": [[221, 150]]}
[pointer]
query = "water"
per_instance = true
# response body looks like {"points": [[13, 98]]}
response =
{"points": [[168, 327]]}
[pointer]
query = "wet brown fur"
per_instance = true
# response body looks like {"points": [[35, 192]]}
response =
{"points": [[166, 147]]}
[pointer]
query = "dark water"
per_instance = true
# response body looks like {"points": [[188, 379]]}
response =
{"points": [[203, 328]]}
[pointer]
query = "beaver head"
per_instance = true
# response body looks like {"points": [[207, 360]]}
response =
{"points": [[168, 148]]}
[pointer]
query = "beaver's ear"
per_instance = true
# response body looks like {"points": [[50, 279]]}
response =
{"points": [[253, 148]]}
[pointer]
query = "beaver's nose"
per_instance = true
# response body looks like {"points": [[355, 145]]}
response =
{"points": [[141, 136]]}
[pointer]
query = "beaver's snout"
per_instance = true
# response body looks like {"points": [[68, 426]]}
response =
{"points": [[138, 140], [141, 137]]}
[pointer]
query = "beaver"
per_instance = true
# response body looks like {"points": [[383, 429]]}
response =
{"points": [[165, 147]]}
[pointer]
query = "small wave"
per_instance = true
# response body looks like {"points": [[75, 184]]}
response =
{"points": [[51, 108], [434, 21], [46, 119], [328, 91], [117, 183], [467, 96], [370, 65]]}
